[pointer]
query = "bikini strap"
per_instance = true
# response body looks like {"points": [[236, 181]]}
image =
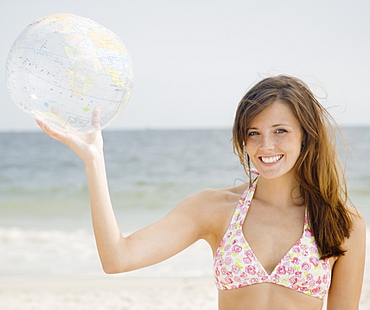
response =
{"points": [[306, 219], [243, 206]]}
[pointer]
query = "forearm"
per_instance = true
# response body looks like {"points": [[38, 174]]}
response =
{"points": [[89, 148], [107, 234]]}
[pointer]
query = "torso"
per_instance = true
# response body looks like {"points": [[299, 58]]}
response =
{"points": [[270, 235]]}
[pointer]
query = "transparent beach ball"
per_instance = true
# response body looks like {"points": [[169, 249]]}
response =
{"points": [[63, 67]]}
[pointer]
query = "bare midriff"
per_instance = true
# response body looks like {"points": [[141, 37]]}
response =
{"points": [[266, 296]]}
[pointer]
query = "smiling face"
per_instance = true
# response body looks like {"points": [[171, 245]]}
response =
{"points": [[274, 140]]}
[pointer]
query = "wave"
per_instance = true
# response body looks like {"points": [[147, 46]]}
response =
{"points": [[59, 252]]}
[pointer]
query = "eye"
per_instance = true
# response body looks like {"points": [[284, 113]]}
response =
{"points": [[252, 133], [281, 130]]}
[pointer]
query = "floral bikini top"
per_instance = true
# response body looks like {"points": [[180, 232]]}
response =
{"points": [[301, 269]]}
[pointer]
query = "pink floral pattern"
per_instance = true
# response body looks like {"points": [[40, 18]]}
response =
{"points": [[301, 269]]}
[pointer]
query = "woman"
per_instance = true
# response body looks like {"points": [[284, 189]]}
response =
{"points": [[284, 240]]}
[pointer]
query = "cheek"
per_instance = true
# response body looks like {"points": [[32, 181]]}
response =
{"points": [[294, 144], [251, 150], [250, 147]]}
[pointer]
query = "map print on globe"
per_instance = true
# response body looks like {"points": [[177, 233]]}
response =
{"points": [[64, 66]]}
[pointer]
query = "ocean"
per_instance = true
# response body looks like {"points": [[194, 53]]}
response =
{"points": [[45, 226]]}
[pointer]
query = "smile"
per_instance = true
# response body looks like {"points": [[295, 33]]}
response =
{"points": [[271, 159]]}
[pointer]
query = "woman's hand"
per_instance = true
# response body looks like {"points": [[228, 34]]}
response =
{"points": [[85, 146]]}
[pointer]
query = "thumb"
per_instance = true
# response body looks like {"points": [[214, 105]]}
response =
{"points": [[95, 119]]}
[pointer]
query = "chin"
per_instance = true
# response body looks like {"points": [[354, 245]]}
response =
{"points": [[275, 175]]}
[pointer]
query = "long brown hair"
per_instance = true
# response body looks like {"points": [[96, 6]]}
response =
{"points": [[317, 170]]}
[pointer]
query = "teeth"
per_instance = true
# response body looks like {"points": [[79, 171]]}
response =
{"points": [[270, 160]]}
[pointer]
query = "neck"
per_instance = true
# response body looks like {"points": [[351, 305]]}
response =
{"points": [[280, 192]]}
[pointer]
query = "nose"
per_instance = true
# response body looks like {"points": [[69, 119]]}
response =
{"points": [[267, 143]]}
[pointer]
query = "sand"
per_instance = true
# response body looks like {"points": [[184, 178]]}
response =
{"points": [[107, 293], [115, 292]]}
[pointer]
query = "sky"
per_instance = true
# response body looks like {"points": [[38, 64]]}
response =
{"points": [[193, 60]]}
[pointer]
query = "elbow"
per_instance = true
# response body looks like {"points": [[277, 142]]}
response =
{"points": [[114, 262], [111, 271], [111, 268]]}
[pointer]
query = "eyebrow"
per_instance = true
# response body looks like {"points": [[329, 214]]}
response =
{"points": [[273, 126], [278, 125]]}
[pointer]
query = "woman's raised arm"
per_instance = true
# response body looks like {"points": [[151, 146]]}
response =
{"points": [[184, 225]]}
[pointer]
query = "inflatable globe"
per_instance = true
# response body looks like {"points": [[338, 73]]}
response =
{"points": [[63, 67]]}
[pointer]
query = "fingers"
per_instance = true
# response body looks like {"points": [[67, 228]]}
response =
{"points": [[57, 135], [80, 144]]}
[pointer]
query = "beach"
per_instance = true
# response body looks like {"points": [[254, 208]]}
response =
{"points": [[183, 282], [48, 255], [117, 292], [108, 293]]}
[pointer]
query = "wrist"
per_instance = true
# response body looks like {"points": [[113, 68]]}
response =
{"points": [[94, 159]]}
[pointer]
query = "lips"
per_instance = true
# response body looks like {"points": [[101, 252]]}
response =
{"points": [[270, 159]]}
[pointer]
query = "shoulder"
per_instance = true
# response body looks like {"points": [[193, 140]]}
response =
{"points": [[354, 245], [209, 205], [212, 209], [214, 199], [358, 230]]}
